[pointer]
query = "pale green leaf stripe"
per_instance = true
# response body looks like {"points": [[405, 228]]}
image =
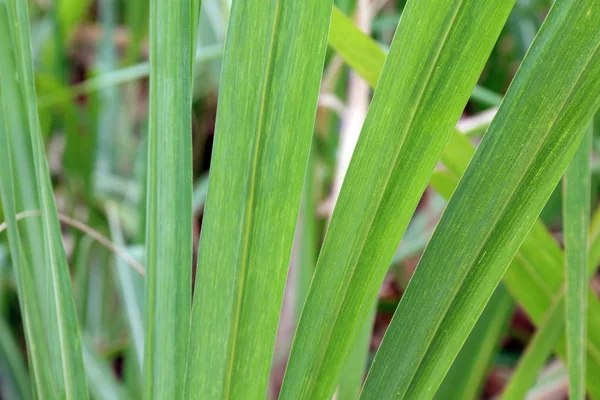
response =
{"points": [[67, 361], [38, 360], [435, 59], [169, 197], [576, 215], [495, 204], [467, 375], [536, 273], [272, 68]]}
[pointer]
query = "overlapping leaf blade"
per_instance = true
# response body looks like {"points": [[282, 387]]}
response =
{"points": [[496, 203], [536, 276], [433, 65], [62, 334], [271, 74]]}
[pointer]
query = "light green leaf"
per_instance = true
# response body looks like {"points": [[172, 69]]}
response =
{"points": [[169, 197], [435, 59], [61, 324], [270, 81], [576, 216], [495, 204]]}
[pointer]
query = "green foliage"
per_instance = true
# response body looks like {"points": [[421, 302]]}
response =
{"points": [[400, 143], [221, 329], [487, 220], [264, 127]]}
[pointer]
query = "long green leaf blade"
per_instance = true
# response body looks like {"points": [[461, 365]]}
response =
{"points": [[169, 197], [411, 117], [65, 346], [576, 215], [535, 277], [264, 128], [32, 321], [496, 203], [39, 361]]}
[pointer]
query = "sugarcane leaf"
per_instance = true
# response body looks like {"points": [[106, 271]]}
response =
{"points": [[272, 67], [60, 321], [169, 197]]}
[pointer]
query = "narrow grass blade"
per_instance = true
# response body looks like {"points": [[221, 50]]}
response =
{"points": [[63, 332], [537, 353], [467, 375], [169, 197], [263, 135], [496, 203], [400, 144], [576, 216]]}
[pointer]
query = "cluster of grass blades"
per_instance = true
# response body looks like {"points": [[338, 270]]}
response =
{"points": [[211, 329]]}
